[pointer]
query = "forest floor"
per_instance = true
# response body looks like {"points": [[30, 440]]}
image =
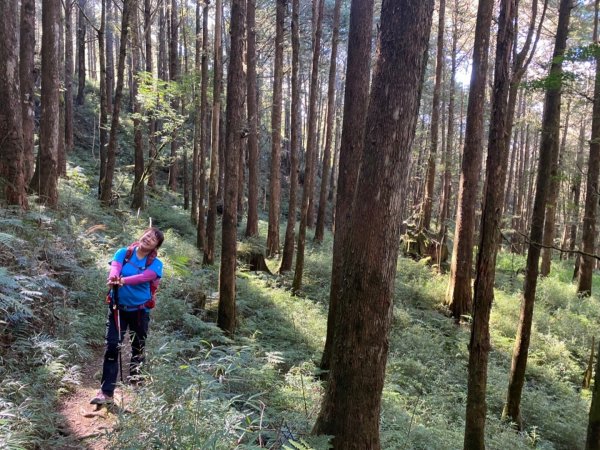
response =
{"points": [[88, 425]]}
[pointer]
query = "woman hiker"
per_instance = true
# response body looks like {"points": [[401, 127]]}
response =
{"points": [[134, 275]]}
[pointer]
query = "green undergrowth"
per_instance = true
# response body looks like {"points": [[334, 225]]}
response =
{"points": [[259, 388]]}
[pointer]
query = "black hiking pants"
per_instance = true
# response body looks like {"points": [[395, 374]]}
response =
{"points": [[136, 322]]}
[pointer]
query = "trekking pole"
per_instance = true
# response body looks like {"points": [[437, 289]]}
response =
{"points": [[117, 317]]}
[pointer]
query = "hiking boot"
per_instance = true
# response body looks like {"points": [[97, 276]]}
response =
{"points": [[101, 398]]}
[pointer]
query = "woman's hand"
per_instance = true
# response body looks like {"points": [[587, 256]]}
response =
{"points": [[115, 281]]}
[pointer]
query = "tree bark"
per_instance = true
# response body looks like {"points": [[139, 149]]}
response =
{"points": [[552, 201], [137, 189], [351, 405], [114, 126], [68, 75], [275, 179], [310, 148], [425, 219], [491, 220], [45, 177], [27, 74], [174, 77], [201, 229], [295, 142], [576, 188], [252, 105], [459, 294], [211, 220], [110, 57], [549, 140], [320, 226], [236, 89], [593, 430], [12, 155], [356, 98], [103, 98], [81, 26], [588, 235]]}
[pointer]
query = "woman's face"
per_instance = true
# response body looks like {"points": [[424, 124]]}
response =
{"points": [[148, 241]]}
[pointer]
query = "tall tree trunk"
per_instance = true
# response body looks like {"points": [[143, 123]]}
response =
{"points": [[148, 17], [588, 234], [111, 151], [45, 177], [27, 83], [310, 148], [236, 89], [81, 26], [62, 156], [12, 155], [253, 155], [69, 75], [447, 179], [459, 294], [103, 98], [351, 404], [549, 141], [576, 188], [593, 430], [174, 77], [320, 226], [356, 98], [275, 179], [425, 219], [201, 229], [137, 189], [295, 142], [491, 220], [552, 201], [198, 117], [110, 57], [211, 220]]}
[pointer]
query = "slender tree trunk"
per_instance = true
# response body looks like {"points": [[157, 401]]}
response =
{"points": [[288, 247], [593, 430], [114, 126], [275, 179], [103, 98], [320, 226], [27, 83], [351, 405], [68, 75], [310, 149], [236, 90], [62, 156], [110, 57], [447, 180], [201, 230], [45, 177], [174, 77], [576, 188], [552, 201], [253, 155], [149, 68], [491, 220], [211, 224], [12, 155], [137, 189], [588, 235], [549, 141], [356, 98], [198, 117], [425, 219], [459, 294], [81, 53]]}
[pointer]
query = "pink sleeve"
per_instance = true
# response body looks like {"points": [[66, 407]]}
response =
{"points": [[115, 269], [146, 275]]}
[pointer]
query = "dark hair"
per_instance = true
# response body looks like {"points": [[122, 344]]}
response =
{"points": [[159, 235]]}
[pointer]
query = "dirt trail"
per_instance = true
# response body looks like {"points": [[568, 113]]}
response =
{"points": [[85, 425]]}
